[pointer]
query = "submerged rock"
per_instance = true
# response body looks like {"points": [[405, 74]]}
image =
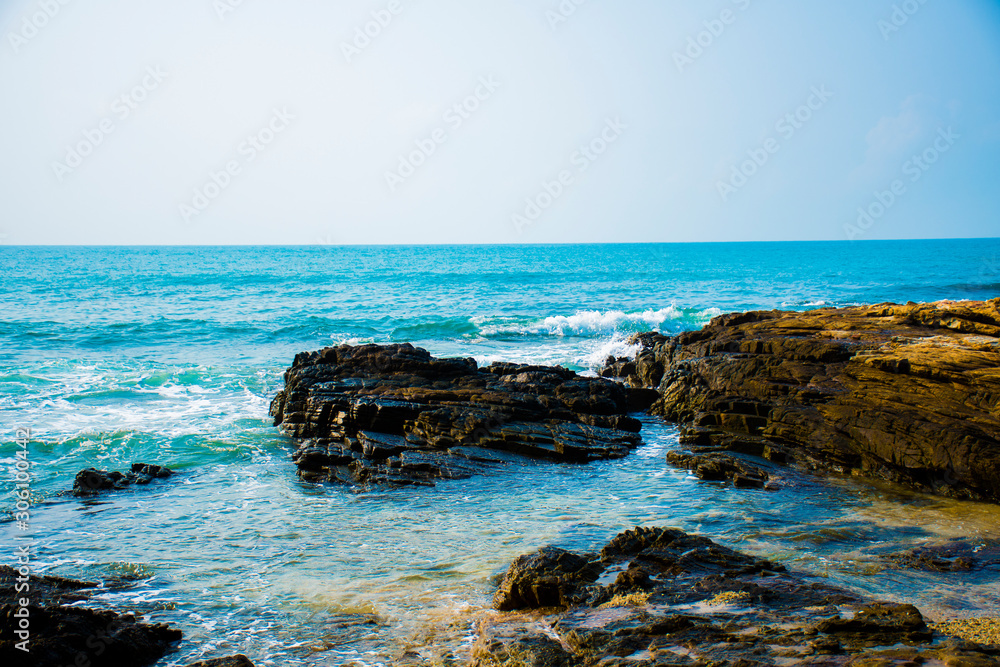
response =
{"points": [[393, 414], [659, 596], [721, 467], [900, 393], [957, 555], [231, 661], [92, 482], [63, 635]]}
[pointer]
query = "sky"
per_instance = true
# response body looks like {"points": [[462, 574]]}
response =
{"points": [[477, 121]]}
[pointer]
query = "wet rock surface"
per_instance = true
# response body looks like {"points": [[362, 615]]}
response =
{"points": [[93, 482], [659, 596], [902, 393], [62, 635], [722, 467], [231, 661], [958, 555], [393, 414]]}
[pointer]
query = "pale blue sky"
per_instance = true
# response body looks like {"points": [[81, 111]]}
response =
{"points": [[671, 120]]}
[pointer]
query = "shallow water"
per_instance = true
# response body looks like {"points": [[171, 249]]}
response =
{"points": [[171, 356]]}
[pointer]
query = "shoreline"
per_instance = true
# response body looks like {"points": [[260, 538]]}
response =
{"points": [[639, 394]]}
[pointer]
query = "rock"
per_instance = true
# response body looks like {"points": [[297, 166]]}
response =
{"points": [[660, 596], [721, 467], [906, 394], [231, 661], [92, 482], [520, 647], [74, 635], [393, 414], [956, 555], [547, 578], [983, 630], [879, 624]]}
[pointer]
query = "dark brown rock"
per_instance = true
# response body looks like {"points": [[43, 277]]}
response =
{"points": [[231, 661], [73, 635], [721, 467], [879, 624], [92, 482], [659, 597], [907, 394], [547, 578], [393, 414], [521, 647], [958, 555]]}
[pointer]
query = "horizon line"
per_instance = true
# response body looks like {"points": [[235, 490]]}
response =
{"points": [[473, 245]]}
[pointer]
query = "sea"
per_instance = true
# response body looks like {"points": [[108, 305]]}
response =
{"points": [[171, 355]]}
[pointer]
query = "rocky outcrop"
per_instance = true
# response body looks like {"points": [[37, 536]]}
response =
{"points": [[61, 634], [393, 414], [659, 596], [904, 393], [92, 482]]}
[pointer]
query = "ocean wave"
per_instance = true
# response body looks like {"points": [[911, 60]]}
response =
{"points": [[590, 323]]}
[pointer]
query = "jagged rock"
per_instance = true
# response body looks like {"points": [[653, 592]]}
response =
{"points": [[659, 597], [231, 661], [521, 647], [91, 482], [879, 624], [393, 414], [900, 393], [73, 635], [547, 578], [720, 467]]}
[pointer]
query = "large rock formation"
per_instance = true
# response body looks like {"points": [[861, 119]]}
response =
{"points": [[395, 414], [906, 393], [661, 597]]}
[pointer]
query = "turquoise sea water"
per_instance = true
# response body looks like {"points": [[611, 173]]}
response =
{"points": [[171, 356]]}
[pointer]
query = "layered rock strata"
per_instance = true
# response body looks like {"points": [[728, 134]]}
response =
{"points": [[393, 414], [904, 393]]}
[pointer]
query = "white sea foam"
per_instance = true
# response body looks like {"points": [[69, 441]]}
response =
{"points": [[807, 304], [594, 322], [618, 346]]}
